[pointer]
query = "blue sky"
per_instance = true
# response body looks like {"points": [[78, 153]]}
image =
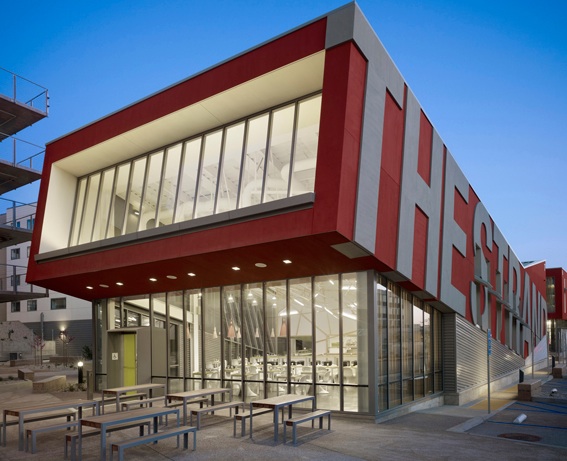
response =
{"points": [[491, 76]]}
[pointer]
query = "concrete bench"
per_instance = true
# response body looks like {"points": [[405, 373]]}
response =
{"points": [[32, 433], [175, 431], [212, 409], [242, 417], [141, 403], [51, 384], [71, 439], [559, 372], [527, 389], [25, 373], [312, 416], [69, 414]]}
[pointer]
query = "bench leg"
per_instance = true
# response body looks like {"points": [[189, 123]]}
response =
{"points": [[294, 434]]}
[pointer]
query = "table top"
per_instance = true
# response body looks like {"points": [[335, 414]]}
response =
{"points": [[137, 387], [197, 393], [49, 406], [285, 399], [126, 416]]}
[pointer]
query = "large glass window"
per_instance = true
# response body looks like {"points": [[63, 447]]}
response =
{"points": [[304, 336], [327, 340], [213, 336], [208, 177], [394, 345], [118, 206], [192, 335], [230, 168], [104, 201], [269, 156], [168, 190], [188, 181]]}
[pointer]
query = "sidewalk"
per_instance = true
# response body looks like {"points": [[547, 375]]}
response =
{"points": [[448, 433]]}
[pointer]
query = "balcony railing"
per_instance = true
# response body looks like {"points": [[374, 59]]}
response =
{"points": [[13, 279], [17, 215], [21, 153], [23, 91]]}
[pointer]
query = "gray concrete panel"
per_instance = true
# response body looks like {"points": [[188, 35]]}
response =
{"points": [[370, 161], [344, 24], [453, 235], [349, 23], [416, 191]]}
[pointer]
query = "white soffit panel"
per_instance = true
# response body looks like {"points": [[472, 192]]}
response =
{"points": [[286, 83]]}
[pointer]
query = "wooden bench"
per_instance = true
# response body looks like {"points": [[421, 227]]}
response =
{"points": [[175, 431], [559, 372], [212, 409], [142, 403], [25, 373], [312, 416], [527, 389], [32, 433], [242, 417], [70, 414], [71, 439]]}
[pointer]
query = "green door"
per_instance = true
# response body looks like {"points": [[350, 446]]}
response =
{"points": [[129, 364]]}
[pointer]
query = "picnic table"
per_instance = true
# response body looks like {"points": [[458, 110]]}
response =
{"points": [[104, 422], [186, 396], [22, 412], [118, 392], [277, 403]]}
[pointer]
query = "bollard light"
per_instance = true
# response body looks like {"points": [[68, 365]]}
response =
{"points": [[80, 368]]}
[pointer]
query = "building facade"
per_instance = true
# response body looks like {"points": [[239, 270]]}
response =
{"points": [[287, 221], [60, 321], [557, 311]]}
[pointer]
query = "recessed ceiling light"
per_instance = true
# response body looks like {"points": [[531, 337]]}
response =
{"points": [[153, 279], [260, 265], [191, 274], [103, 285], [119, 284], [236, 268], [287, 261], [89, 287], [172, 277]]}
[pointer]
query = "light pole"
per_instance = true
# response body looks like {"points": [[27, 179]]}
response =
{"points": [[80, 369]]}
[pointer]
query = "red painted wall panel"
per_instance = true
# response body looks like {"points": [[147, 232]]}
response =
{"points": [[421, 221], [424, 149], [390, 181], [339, 139]]}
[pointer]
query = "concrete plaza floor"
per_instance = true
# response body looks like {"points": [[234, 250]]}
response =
{"points": [[443, 433]]}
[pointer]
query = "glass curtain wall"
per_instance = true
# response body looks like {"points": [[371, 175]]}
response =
{"points": [[263, 158], [303, 336], [409, 352]]}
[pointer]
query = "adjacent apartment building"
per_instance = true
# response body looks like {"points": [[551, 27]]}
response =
{"points": [[288, 220]]}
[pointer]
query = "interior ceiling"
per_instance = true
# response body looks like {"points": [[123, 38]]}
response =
{"points": [[292, 81]]}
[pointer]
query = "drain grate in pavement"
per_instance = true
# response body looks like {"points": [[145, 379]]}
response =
{"points": [[518, 436]]}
